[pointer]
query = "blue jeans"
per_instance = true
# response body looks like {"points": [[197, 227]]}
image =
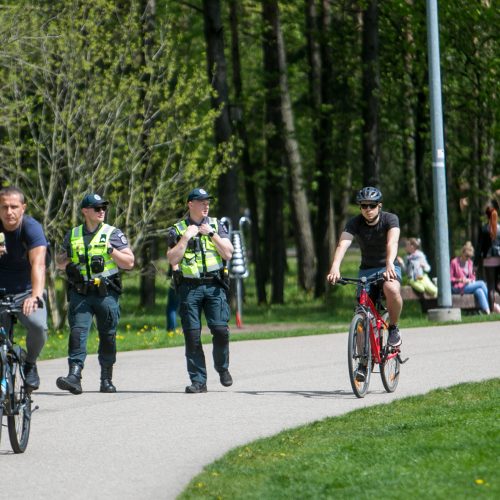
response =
{"points": [[370, 273], [210, 299], [480, 291], [82, 309], [171, 312]]}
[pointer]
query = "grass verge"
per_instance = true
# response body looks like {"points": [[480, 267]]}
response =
{"points": [[301, 314], [444, 444]]}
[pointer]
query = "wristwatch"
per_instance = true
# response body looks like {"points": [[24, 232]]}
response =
{"points": [[211, 234], [110, 250]]}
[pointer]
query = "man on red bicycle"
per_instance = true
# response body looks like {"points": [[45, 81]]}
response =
{"points": [[377, 234]]}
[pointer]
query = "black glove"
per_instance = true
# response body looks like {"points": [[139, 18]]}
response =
{"points": [[73, 273]]}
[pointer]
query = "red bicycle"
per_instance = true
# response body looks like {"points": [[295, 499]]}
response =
{"points": [[368, 333]]}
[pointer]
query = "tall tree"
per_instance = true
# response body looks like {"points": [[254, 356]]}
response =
{"points": [[300, 210], [249, 169], [274, 225], [217, 74], [371, 86], [73, 120], [149, 251], [321, 98]]}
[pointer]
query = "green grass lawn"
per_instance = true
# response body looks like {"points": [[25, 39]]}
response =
{"points": [[142, 328], [442, 445]]}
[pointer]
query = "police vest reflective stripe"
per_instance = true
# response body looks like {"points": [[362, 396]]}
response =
{"points": [[98, 246], [204, 258]]}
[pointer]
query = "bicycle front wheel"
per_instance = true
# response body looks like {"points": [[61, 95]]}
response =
{"points": [[389, 368], [1, 421], [19, 418], [358, 356]]}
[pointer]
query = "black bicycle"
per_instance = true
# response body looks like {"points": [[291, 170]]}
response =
{"points": [[15, 399]]}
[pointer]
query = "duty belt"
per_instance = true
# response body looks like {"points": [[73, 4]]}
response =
{"points": [[199, 281]]}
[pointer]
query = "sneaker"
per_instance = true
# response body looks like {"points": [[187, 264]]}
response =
{"points": [[225, 378], [394, 339], [196, 388], [31, 378], [361, 373]]}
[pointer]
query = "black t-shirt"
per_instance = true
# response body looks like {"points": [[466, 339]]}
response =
{"points": [[372, 240]]}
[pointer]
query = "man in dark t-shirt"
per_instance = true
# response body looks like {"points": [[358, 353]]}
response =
{"points": [[377, 234], [22, 274]]}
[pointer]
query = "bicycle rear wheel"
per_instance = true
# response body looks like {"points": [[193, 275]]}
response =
{"points": [[19, 418], [359, 361], [390, 368]]}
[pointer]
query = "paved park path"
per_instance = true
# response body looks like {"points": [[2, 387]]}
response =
{"points": [[148, 440]]}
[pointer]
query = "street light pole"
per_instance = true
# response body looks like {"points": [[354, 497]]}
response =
{"points": [[438, 159]]}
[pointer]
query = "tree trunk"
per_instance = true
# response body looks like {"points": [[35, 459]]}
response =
{"points": [[371, 88], [275, 170], [424, 181], [149, 247], [246, 162], [408, 127], [302, 222], [149, 253], [227, 185]]}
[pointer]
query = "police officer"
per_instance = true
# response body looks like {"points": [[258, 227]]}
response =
{"points": [[92, 255], [199, 245]]}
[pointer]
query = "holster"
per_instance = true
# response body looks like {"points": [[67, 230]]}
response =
{"points": [[176, 279], [223, 279], [75, 279], [114, 284]]}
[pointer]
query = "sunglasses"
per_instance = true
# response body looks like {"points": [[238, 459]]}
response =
{"points": [[99, 209], [366, 206]]}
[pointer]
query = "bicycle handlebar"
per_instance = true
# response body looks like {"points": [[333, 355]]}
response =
{"points": [[377, 278], [7, 305]]}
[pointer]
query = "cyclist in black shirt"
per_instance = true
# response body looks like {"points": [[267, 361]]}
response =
{"points": [[377, 233]]}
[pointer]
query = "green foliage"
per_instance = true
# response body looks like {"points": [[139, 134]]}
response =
{"points": [[93, 106], [102, 96], [444, 444]]}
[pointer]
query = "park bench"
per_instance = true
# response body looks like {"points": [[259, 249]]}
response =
{"points": [[466, 302]]}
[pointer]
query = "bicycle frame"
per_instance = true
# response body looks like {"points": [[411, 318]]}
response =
{"points": [[7, 307], [374, 321]]}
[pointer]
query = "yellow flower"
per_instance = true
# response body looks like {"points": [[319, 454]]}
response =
{"points": [[479, 481]]}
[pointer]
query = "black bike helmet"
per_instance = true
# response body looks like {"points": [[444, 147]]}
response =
{"points": [[369, 193]]}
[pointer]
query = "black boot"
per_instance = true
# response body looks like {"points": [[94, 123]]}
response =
{"points": [[106, 382], [72, 382]]}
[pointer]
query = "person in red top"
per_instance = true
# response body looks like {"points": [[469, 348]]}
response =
{"points": [[489, 252], [463, 277]]}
